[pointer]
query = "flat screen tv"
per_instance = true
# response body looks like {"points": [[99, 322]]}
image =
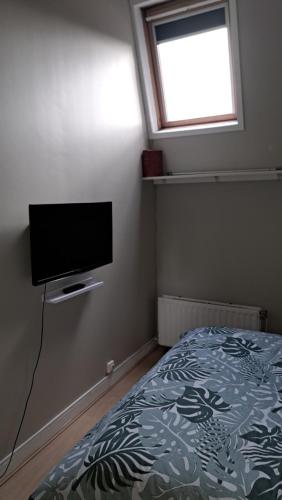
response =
{"points": [[69, 238]]}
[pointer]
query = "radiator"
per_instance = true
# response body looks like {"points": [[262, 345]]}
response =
{"points": [[177, 315]]}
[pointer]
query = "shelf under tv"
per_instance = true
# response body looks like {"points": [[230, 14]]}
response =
{"points": [[72, 290]]}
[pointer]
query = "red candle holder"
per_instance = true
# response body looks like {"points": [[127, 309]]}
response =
{"points": [[152, 163]]}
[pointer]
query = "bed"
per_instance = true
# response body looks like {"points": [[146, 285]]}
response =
{"points": [[204, 423]]}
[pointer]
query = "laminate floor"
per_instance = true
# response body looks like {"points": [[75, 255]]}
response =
{"points": [[24, 481]]}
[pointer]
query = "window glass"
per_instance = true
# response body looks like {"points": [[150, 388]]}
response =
{"points": [[196, 75]]}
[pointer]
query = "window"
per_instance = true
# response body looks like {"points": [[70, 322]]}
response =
{"points": [[190, 58]]}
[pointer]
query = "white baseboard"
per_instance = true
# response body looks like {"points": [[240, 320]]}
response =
{"points": [[49, 431]]}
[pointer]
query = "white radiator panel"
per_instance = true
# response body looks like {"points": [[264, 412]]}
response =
{"points": [[177, 315]]}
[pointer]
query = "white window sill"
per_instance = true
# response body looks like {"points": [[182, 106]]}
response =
{"points": [[209, 128]]}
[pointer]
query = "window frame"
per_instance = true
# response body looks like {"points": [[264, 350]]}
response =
{"points": [[157, 125]]}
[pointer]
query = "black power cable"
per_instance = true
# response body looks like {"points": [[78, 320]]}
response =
{"points": [[31, 385]]}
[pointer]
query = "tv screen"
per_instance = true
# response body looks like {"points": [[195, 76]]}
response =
{"points": [[69, 238]]}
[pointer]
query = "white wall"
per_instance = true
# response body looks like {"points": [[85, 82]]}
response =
{"points": [[223, 242], [259, 145], [71, 130]]}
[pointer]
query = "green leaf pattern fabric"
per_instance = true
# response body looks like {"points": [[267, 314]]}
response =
{"points": [[204, 423]]}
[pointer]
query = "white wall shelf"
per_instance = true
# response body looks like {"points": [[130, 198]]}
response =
{"points": [[274, 174], [58, 295]]}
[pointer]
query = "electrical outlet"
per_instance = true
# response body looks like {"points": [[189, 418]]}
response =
{"points": [[110, 367]]}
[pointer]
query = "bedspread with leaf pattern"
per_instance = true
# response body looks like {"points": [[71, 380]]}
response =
{"points": [[204, 423]]}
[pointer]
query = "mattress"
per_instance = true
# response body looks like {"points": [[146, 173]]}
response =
{"points": [[204, 423]]}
